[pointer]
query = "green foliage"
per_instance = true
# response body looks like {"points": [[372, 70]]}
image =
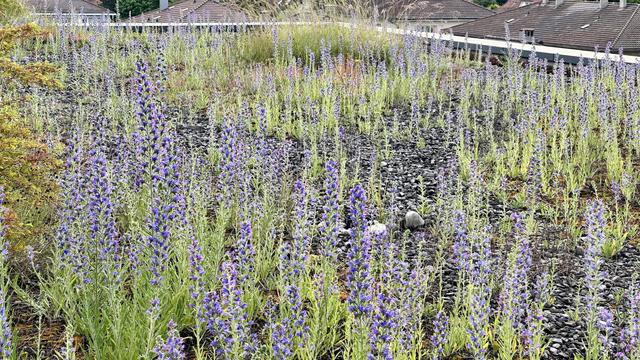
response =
{"points": [[26, 169], [27, 165], [204, 73], [300, 40], [38, 73], [128, 8], [131, 7], [491, 4], [9, 9]]}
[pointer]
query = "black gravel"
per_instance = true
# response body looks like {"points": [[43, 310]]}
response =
{"points": [[564, 330]]}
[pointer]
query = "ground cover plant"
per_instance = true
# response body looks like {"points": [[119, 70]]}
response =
{"points": [[324, 192]]}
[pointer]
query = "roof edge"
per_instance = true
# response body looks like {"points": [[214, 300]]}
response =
{"points": [[626, 25]]}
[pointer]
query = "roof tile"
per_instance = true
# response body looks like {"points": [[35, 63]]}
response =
{"points": [[194, 11], [65, 6], [431, 10], [574, 24]]}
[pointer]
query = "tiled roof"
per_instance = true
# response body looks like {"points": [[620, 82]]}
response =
{"points": [[431, 10], [630, 35], [574, 24], [65, 7], [194, 11]]}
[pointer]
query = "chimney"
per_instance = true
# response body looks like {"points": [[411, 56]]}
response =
{"points": [[623, 4], [604, 3], [164, 4]]}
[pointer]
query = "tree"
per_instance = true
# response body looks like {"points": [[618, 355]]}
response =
{"points": [[130, 7], [491, 4]]}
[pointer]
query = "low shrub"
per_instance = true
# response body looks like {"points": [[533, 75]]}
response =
{"points": [[10, 9], [357, 43], [27, 164], [27, 167]]}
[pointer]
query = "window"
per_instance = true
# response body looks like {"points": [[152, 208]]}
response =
{"points": [[526, 35]]}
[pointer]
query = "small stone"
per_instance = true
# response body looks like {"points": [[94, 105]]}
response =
{"points": [[378, 229], [344, 232], [413, 220]]}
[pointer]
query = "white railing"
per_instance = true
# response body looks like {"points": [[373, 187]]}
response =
{"points": [[496, 46]]}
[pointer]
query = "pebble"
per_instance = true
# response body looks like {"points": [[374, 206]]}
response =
{"points": [[413, 220], [378, 229], [344, 232]]}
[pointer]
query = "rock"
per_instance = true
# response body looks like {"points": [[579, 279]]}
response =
{"points": [[344, 232], [378, 229], [413, 220]]}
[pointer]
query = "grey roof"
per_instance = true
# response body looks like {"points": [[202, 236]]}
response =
{"points": [[431, 10], [195, 11], [65, 7], [574, 24]]}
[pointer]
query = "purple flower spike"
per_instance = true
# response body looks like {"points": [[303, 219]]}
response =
{"points": [[595, 239], [291, 332], [630, 336], [227, 318], [382, 328], [461, 247], [196, 272], [605, 325], [514, 297], [359, 279], [330, 212], [439, 336], [102, 229], [173, 347], [357, 210], [158, 240], [244, 254], [479, 307]]}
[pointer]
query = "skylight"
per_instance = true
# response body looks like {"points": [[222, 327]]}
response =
{"points": [[510, 20], [585, 26]]}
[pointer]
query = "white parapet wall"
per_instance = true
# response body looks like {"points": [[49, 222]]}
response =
{"points": [[571, 56], [503, 46]]}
